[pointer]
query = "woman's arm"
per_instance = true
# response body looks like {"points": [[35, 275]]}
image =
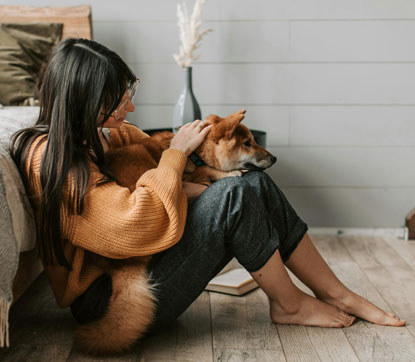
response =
{"points": [[193, 190], [128, 134], [152, 218], [118, 224]]}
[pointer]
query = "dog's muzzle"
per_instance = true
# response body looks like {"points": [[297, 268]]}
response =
{"points": [[262, 165]]}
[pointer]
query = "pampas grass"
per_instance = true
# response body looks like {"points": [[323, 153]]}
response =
{"points": [[189, 33]]}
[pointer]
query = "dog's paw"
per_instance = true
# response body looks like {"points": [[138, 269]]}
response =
{"points": [[234, 173]]}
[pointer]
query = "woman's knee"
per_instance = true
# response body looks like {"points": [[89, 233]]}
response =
{"points": [[230, 184], [264, 186], [257, 177], [238, 189], [227, 199]]}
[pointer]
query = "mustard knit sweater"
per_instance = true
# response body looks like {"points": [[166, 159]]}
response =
{"points": [[115, 223]]}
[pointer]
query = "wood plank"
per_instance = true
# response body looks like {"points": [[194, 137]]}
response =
{"points": [[274, 120], [39, 329], [246, 355], [405, 249], [188, 338], [349, 207], [302, 126], [296, 344], [331, 344], [299, 41], [344, 166], [297, 341], [35, 353], [243, 323], [378, 126], [389, 273], [302, 343], [37, 319], [282, 84], [165, 10], [370, 342], [344, 41], [135, 354], [228, 42], [76, 19]]}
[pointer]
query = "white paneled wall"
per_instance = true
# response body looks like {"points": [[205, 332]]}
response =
{"points": [[332, 82]]}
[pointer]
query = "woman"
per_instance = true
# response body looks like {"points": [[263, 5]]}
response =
{"points": [[87, 87]]}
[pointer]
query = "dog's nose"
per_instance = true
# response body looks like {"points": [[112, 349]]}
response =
{"points": [[273, 159]]}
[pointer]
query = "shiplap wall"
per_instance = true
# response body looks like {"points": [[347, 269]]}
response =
{"points": [[332, 82]]}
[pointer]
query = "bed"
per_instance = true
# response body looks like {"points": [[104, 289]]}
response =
{"points": [[19, 261]]}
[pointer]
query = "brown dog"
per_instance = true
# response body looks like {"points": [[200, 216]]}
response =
{"points": [[228, 149]]}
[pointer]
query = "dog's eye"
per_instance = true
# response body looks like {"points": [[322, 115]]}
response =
{"points": [[247, 143]]}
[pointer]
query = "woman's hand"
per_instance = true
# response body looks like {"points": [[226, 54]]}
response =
{"points": [[193, 190], [190, 136]]}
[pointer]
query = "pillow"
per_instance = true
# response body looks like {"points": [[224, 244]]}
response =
{"points": [[24, 50]]}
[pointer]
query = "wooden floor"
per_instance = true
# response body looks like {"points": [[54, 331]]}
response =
{"points": [[219, 327]]}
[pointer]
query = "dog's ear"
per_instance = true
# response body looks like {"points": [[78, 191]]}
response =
{"points": [[213, 118], [237, 114], [233, 121], [225, 127]]}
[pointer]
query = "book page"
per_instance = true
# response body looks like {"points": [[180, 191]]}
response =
{"points": [[234, 278]]}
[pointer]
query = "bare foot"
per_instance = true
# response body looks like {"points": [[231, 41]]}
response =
{"points": [[354, 304], [309, 311]]}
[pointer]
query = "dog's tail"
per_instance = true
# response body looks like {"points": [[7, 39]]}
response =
{"points": [[129, 313]]}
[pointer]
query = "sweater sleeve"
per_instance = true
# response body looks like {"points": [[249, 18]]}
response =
{"points": [[118, 224]]}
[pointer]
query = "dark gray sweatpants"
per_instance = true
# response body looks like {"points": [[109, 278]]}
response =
{"points": [[245, 217]]}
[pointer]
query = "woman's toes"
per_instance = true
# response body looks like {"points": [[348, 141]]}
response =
{"points": [[392, 320], [392, 315], [398, 322], [344, 318], [351, 320], [358, 306]]}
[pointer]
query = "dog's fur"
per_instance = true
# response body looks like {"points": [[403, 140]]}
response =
{"points": [[228, 149]]}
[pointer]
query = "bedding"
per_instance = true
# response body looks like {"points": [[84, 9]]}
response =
{"points": [[17, 223], [11, 120]]}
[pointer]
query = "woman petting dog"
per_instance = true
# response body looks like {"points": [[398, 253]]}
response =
{"points": [[186, 231]]}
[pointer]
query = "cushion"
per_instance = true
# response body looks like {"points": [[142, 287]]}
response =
{"points": [[24, 51]]}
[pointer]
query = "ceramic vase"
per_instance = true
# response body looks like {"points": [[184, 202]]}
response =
{"points": [[186, 109]]}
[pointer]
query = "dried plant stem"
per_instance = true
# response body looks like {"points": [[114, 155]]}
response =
{"points": [[189, 33]]}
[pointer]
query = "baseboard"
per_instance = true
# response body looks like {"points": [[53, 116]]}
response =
{"points": [[400, 233]]}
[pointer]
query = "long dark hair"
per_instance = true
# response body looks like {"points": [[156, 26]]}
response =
{"points": [[82, 79]]}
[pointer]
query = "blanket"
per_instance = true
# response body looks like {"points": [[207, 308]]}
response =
{"points": [[17, 223]]}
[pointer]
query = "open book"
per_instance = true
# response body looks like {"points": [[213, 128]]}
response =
{"points": [[236, 282]]}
